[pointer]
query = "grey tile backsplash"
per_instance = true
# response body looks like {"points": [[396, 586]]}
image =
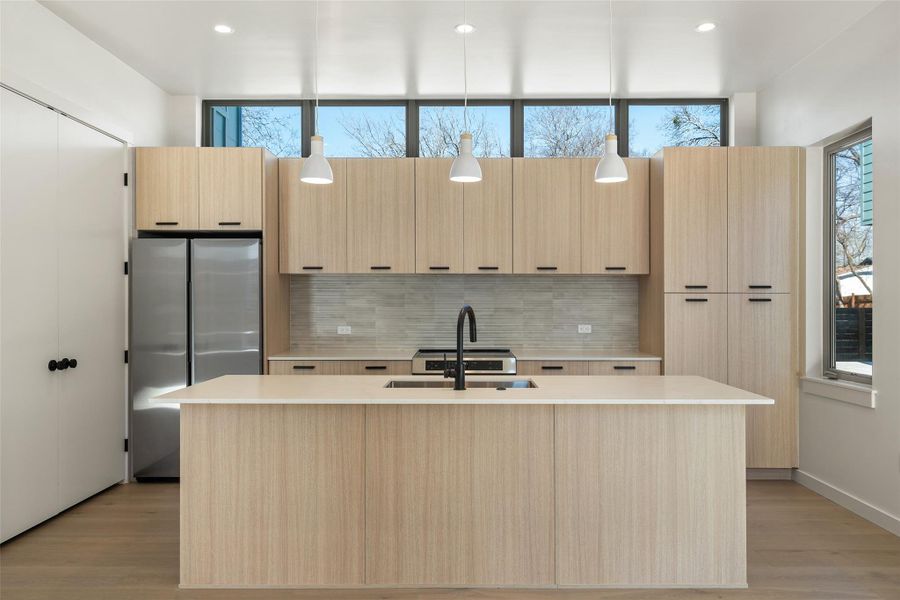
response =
{"points": [[401, 312]]}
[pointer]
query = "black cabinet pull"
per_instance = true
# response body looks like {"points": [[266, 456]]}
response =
{"points": [[304, 367], [696, 299], [616, 268], [72, 363], [63, 364], [167, 222], [376, 367], [760, 287], [546, 268], [488, 268], [624, 367], [696, 287], [759, 299], [380, 268], [52, 365], [229, 222], [305, 268], [439, 268], [552, 367]]}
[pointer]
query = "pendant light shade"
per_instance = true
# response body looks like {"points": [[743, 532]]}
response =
{"points": [[611, 168], [316, 168], [465, 168]]}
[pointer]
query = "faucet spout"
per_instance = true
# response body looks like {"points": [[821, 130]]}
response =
{"points": [[460, 374]]}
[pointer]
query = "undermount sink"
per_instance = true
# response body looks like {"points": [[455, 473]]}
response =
{"points": [[448, 384]]}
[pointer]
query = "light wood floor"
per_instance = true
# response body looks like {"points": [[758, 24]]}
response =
{"points": [[123, 545]]}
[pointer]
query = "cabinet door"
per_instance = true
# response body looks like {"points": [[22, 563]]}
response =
{"points": [[552, 367], [230, 189], [381, 215], [489, 219], [615, 221], [695, 224], [91, 312], [439, 218], [696, 337], [547, 215], [760, 361], [167, 188], [304, 367], [624, 367], [29, 244], [376, 367], [763, 197], [313, 220]]}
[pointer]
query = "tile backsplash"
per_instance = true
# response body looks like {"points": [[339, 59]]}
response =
{"points": [[402, 312]]}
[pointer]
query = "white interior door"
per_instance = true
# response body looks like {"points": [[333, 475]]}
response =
{"points": [[29, 413], [91, 214]]}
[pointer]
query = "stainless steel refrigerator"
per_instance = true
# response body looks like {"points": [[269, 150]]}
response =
{"points": [[195, 315]]}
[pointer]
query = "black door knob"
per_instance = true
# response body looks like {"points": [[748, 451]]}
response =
{"points": [[63, 364], [52, 365], [73, 363]]}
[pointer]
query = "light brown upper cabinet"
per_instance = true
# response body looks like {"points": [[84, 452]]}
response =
{"points": [[763, 200], [166, 188], [696, 335], [381, 215], [488, 219], [439, 217], [615, 221], [547, 215], [313, 220], [695, 221], [230, 188]]}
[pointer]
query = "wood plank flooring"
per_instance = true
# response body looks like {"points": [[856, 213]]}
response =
{"points": [[123, 545]]}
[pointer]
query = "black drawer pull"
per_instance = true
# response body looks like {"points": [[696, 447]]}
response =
{"points": [[616, 268], [760, 299], [552, 367], [624, 367], [760, 287], [312, 268], [488, 268], [696, 287], [380, 268], [696, 299], [304, 367], [376, 367], [167, 222], [229, 222], [439, 268], [546, 268]]}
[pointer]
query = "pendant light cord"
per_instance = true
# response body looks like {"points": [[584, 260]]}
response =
{"points": [[316, 75], [611, 129], [465, 68]]}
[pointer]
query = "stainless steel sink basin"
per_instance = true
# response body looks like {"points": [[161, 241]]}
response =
{"points": [[448, 384]]}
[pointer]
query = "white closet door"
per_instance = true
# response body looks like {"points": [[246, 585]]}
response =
{"points": [[29, 413], [92, 287]]}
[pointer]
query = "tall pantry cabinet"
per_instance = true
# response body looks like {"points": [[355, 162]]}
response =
{"points": [[720, 300], [62, 313]]}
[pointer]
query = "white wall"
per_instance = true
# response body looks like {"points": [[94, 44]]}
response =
{"points": [[59, 64], [742, 119], [184, 120], [849, 451]]}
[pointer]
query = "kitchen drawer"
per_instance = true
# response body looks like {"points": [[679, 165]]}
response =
{"points": [[376, 367], [552, 367], [624, 367], [304, 367]]}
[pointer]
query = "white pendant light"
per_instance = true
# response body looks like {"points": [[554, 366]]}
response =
{"points": [[315, 168], [465, 167], [611, 168]]}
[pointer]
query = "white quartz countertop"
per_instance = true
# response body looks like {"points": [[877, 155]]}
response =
{"points": [[521, 354], [369, 389]]}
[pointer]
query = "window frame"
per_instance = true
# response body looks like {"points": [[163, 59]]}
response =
{"points": [[829, 368], [517, 115]]}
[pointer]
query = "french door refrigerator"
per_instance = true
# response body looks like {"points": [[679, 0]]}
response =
{"points": [[195, 315]]}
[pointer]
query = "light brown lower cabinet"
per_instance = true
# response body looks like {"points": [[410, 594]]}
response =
{"points": [[340, 367], [696, 336], [552, 367], [376, 367], [624, 367]]}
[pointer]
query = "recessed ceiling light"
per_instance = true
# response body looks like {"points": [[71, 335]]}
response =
{"points": [[705, 27], [464, 28], [223, 29]]}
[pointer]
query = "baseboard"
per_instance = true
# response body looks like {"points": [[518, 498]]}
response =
{"points": [[849, 501], [781, 474]]}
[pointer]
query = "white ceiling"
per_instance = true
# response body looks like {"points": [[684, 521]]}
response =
{"points": [[384, 49]]}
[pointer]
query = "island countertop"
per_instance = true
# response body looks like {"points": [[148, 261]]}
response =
{"points": [[370, 389]]}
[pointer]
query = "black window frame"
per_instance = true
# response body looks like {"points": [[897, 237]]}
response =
{"points": [[517, 115]]}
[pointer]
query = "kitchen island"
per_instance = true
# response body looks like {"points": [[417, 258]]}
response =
{"points": [[339, 481]]}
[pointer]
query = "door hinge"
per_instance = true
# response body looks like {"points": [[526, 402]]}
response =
{"points": [[125, 179], [126, 357], [126, 267], [126, 444]]}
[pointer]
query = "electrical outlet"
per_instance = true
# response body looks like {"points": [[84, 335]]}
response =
{"points": [[584, 329], [344, 330]]}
